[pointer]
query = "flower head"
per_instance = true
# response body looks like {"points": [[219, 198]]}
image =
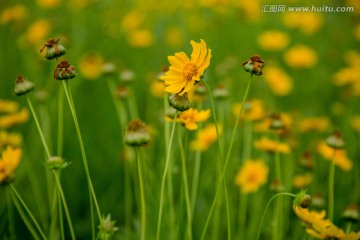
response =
{"points": [[64, 71], [339, 156], [205, 138], [269, 145], [254, 65], [251, 176], [107, 227], [23, 86], [190, 117], [9, 161], [137, 134], [53, 48], [184, 72], [254, 110]]}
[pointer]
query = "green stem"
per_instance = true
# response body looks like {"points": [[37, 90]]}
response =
{"points": [[27, 210], [348, 227], [82, 148], [267, 206], [11, 214], [63, 200], [142, 193], [331, 187], [222, 179], [61, 221], [164, 178], [185, 181], [226, 160], [277, 233], [242, 216], [60, 123]]}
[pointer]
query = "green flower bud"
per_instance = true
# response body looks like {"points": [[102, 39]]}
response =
{"points": [[136, 134], [335, 140], [64, 71], [180, 103], [302, 199], [23, 86], [254, 65], [56, 162], [53, 48], [107, 227]]}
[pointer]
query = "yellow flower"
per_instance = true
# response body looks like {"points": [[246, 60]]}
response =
{"points": [[339, 157], [91, 66], [266, 123], [301, 56], [253, 110], [13, 14], [279, 82], [13, 119], [190, 117], [132, 20], [355, 122], [9, 139], [157, 88], [273, 40], [184, 72], [7, 106], [140, 38], [9, 161], [175, 37], [307, 22], [301, 181], [269, 145], [37, 32], [48, 3], [252, 175], [205, 137], [309, 217], [313, 124]]}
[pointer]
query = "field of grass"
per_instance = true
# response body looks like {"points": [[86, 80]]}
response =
{"points": [[71, 153]]}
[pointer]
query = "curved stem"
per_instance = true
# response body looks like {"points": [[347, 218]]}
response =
{"points": [[142, 194], [227, 158], [164, 177], [267, 206]]}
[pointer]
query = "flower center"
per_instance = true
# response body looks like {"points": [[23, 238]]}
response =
{"points": [[189, 71]]}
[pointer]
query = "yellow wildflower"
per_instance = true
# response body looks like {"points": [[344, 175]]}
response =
{"points": [[13, 14], [266, 123], [48, 3], [252, 175], [13, 119], [175, 37], [7, 106], [313, 124], [273, 40], [91, 66], [9, 139], [301, 181], [269, 145], [355, 122], [339, 156], [279, 82], [9, 161], [157, 88], [190, 117], [132, 20], [301, 56], [184, 72], [253, 110], [307, 22], [37, 32], [140, 38], [205, 137]]}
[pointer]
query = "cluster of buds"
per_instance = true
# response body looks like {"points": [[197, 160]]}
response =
{"points": [[64, 71], [22, 86], [53, 48], [137, 134], [254, 65]]}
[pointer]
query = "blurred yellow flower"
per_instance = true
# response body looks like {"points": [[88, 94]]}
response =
{"points": [[253, 110], [9, 139], [266, 144], [273, 40], [140, 38], [252, 175], [339, 156], [190, 117], [157, 88], [132, 20], [184, 72], [307, 22], [91, 66], [205, 138], [264, 125], [301, 56], [355, 123], [8, 106], [9, 161], [175, 37], [301, 181], [37, 32], [312, 124], [13, 14], [251, 8], [13, 119], [48, 3], [279, 82]]}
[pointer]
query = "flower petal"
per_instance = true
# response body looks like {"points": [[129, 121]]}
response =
{"points": [[196, 51]]}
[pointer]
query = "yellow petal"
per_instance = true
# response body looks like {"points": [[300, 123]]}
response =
{"points": [[203, 52], [203, 65], [196, 51]]}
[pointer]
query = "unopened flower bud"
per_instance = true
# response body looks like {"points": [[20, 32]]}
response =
{"points": [[122, 92], [137, 134], [335, 140], [127, 76], [108, 69], [351, 213], [254, 65], [178, 102], [302, 199], [53, 48], [107, 227], [56, 162], [23, 86], [221, 92], [64, 71]]}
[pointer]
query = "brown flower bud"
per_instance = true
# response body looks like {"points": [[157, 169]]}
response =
{"points": [[53, 48], [64, 71], [254, 65]]}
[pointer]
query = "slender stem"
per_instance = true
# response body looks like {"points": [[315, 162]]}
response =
{"points": [[60, 123], [11, 214], [63, 200], [164, 178], [184, 176], [242, 216], [142, 193], [61, 221], [83, 153], [227, 158], [267, 206], [277, 233], [28, 211], [331, 187], [222, 179], [54, 212], [38, 126], [348, 227]]}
